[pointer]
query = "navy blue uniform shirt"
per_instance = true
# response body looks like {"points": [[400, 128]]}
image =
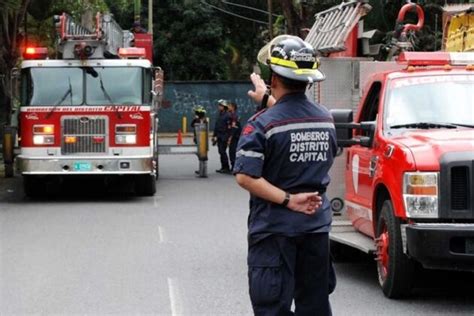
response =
{"points": [[292, 145], [222, 127]]}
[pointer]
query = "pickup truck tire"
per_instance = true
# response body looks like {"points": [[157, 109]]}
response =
{"points": [[395, 270]]}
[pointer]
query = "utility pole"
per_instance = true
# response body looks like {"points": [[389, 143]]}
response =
{"points": [[270, 22], [150, 17], [137, 9]]}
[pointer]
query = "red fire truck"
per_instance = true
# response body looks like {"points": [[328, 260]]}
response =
{"points": [[404, 188], [91, 112]]}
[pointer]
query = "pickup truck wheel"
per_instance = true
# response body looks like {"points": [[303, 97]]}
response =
{"points": [[395, 270]]}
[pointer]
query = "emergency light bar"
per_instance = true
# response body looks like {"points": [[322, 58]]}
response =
{"points": [[35, 53], [435, 58], [131, 52]]}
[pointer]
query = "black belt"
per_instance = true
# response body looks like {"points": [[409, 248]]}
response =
{"points": [[320, 190]]}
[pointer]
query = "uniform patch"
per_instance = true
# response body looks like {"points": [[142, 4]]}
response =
{"points": [[248, 129]]}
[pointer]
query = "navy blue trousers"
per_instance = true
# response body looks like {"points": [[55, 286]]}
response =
{"points": [[233, 151], [283, 269], [222, 148]]}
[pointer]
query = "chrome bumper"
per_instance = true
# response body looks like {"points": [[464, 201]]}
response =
{"points": [[81, 165]]}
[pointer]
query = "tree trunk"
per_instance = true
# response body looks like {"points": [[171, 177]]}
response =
{"points": [[294, 21]]}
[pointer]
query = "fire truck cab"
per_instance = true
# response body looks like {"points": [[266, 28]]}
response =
{"points": [[91, 112]]}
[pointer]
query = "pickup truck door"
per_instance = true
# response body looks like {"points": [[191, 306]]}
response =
{"points": [[361, 166]]}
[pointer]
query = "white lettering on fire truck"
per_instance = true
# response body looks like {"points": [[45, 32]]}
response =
{"points": [[108, 108]]}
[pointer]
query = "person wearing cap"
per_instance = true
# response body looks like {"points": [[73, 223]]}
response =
{"points": [[199, 118], [283, 159], [221, 135], [138, 28]]}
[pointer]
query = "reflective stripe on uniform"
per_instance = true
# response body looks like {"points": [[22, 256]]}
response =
{"points": [[296, 126], [251, 154]]}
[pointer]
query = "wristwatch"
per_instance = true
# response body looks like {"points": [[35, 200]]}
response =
{"points": [[286, 200], [263, 105]]}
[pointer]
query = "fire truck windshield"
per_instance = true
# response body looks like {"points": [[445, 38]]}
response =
{"points": [[445, 101], [49, 86], [119, 85], [82, 86]]}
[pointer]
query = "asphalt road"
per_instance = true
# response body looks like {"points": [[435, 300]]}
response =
{"points": [[181, 252]]}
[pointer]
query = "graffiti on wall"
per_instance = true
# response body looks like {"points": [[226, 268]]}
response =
{"points": [[182, 97]]}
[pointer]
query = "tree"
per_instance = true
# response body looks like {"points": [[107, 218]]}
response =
{"points": [[12, 17], [188, 42]]}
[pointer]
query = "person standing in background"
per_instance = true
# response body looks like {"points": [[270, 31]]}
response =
{"points": [[221, 135], [235, 130]]}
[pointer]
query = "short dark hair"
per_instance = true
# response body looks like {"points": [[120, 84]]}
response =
{"points": [[292, 85], [233, 104]]}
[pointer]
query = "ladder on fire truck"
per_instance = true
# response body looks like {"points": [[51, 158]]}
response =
{"points": [[78, 42]]}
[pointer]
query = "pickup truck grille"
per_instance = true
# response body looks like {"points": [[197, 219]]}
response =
{"points": [[459, 188], [89, 135], [456, 200]]}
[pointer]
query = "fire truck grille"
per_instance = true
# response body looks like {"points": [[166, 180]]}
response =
{"points": [[459, 188], [84, 135]]}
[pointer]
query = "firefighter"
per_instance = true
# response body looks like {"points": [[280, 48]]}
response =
{"points": [[221, 135], [283, 159], [235, 130], [199, 118]]}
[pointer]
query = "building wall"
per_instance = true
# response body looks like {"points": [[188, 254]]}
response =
{"points": [[182, 96]]}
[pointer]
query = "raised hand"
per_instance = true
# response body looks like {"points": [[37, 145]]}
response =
{"points": [[259, 86]]}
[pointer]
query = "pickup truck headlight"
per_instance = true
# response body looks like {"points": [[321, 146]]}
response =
{"points": [[420, 192]]}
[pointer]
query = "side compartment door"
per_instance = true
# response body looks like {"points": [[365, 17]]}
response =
{"points": [[361, 165]]}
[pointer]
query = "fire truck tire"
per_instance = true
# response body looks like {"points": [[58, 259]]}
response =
{"points": [[32, 187], [9, 170], [395, 270], [145, 185]]}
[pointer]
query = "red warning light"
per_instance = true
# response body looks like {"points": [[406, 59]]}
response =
{"points": [[35, 53]]}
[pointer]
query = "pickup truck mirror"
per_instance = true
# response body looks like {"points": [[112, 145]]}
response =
{"points": [[341, 118], [345, 126]]}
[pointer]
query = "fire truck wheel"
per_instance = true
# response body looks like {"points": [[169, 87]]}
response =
{"points": [[395, 270], [32, 186], [145, 185]]}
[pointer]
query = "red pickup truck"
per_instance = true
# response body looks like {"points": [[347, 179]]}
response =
{"points": [[409, 168]]}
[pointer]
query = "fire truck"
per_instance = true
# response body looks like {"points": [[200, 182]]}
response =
{"points": [[403, 189], [92, 112]]}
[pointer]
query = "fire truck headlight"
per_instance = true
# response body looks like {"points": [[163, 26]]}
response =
{"points": [[126, 139], [126, 134], [420, 193], [43, 140]]}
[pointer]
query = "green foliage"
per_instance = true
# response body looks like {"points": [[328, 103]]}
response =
{"points": [[188, 42]]}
